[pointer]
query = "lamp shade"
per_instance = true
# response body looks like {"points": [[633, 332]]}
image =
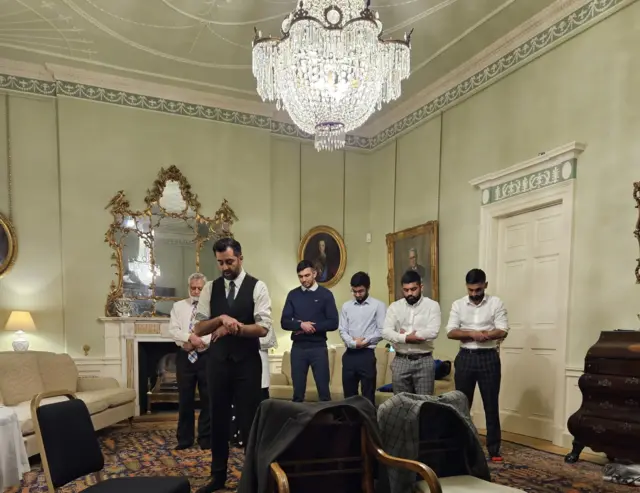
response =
{"points": [[20, 321]]}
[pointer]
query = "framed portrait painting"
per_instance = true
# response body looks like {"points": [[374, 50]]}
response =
{"points": [[8, 245], [324, 248], [413, 249]]}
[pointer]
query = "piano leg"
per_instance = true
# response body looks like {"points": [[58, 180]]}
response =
{"points": [[574, 455]]}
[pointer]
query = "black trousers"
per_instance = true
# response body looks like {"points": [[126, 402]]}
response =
{"points": [[482, 366], [316, 357], [232, 382], [359, 368], [236, 438], [188, 376]]}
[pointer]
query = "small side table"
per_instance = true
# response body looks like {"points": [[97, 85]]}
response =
{"points": [[14, 461]]}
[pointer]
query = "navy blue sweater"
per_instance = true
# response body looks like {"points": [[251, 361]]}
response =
{"points": [[317, 306]]}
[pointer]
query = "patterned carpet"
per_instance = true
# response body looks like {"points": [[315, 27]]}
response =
{"points": [[147, 450]]}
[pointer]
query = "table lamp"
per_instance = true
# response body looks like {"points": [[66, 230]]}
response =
{"points": [[19, 322]]}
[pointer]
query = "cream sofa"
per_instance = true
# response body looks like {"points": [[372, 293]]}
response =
{"points": [[282, 385], [26, 374]]}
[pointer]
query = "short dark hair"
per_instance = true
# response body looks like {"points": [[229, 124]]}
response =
{"points": [[410, 277], [475, 276], [361, 279], [304, 264], [221, 246]]}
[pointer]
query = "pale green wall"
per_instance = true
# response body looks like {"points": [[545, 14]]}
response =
{"points": [[585, 90], [63, 271]]}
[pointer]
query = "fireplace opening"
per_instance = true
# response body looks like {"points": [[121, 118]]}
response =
{"points": [[157, 380]]}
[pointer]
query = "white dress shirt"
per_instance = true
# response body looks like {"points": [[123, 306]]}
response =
{"points": [[489, 314], [267, 342], [179, 322], [421, 318], [261, 301]]}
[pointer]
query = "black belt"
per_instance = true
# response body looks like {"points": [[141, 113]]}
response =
{"points": [[412, 356], [477, 350]]}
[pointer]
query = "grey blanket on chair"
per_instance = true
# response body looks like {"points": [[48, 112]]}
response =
{"points": [[399, 423]]}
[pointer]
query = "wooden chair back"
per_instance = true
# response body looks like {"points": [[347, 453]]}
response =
{"points": [[330, 455], [444, 441]]}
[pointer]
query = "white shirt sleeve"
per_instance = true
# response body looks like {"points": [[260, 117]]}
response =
{"points": [[342, 328], [500, 320], [177, 334], [204, 303], [434, 320], [454, 318], [389, 329], [261, 306]]}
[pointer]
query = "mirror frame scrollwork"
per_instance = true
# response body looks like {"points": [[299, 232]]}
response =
{"points": [[636, 233], [6, 227], [120, 208]]}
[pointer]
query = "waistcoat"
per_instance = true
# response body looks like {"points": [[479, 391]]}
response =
{"points": [[233, 347]]}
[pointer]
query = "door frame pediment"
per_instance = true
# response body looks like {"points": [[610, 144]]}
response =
{"points": [[548, 179]]}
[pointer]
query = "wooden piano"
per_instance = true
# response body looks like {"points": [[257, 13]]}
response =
{"points": [[608, 420]]}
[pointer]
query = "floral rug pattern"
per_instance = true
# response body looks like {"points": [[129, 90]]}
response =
{"points": [[147, 450]]}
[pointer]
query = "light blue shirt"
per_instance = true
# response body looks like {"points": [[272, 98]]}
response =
{"points": [[362, 320]]}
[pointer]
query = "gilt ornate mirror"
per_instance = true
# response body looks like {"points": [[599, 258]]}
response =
{"points": [[8, 245], [156, 249], [636, 196]]}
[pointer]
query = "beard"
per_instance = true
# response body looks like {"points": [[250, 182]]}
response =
{"points": [[194, 298], [412, 300], [362, 299], [230, 274], [477, 298]]}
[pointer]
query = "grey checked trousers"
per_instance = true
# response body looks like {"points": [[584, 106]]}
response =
{"points": [[416, 376]]}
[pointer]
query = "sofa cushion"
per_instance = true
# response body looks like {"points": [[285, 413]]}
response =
{"points": [[286, 365], [382, 357], [465, 484], [336, 371], [112, 397], [58, 372], [387, 374], [19, 376], [94, 403]]}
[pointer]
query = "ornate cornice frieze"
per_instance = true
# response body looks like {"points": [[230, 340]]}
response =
{"points": [[444, 94]]}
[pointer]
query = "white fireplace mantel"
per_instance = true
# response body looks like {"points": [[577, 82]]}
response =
{"points": [[122, 336]]}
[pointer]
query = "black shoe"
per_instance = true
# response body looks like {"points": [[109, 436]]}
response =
{"points": [[183, 446], [205, 445], [214, 485]]}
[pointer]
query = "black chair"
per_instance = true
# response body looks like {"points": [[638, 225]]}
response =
{"points": [[69, 449], [335, 453]]}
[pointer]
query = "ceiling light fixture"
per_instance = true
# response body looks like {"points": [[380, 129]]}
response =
{"points": [[330, 69]]}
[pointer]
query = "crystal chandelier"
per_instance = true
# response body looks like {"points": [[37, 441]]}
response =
{"points": [[141, 265], [330, 69]]}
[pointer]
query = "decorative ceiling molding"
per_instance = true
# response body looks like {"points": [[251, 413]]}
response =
{"points": [[536, 25], [521, 46], [556, 24]]}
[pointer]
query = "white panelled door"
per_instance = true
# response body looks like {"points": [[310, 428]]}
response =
{"points": [[531, 249]]}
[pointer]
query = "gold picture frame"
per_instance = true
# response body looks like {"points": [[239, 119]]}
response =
{"points": [[415, 245], [8, 245], [636, 233], [324, 247]]}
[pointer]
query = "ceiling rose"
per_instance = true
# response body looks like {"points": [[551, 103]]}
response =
{"points": [[330, 69]]}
